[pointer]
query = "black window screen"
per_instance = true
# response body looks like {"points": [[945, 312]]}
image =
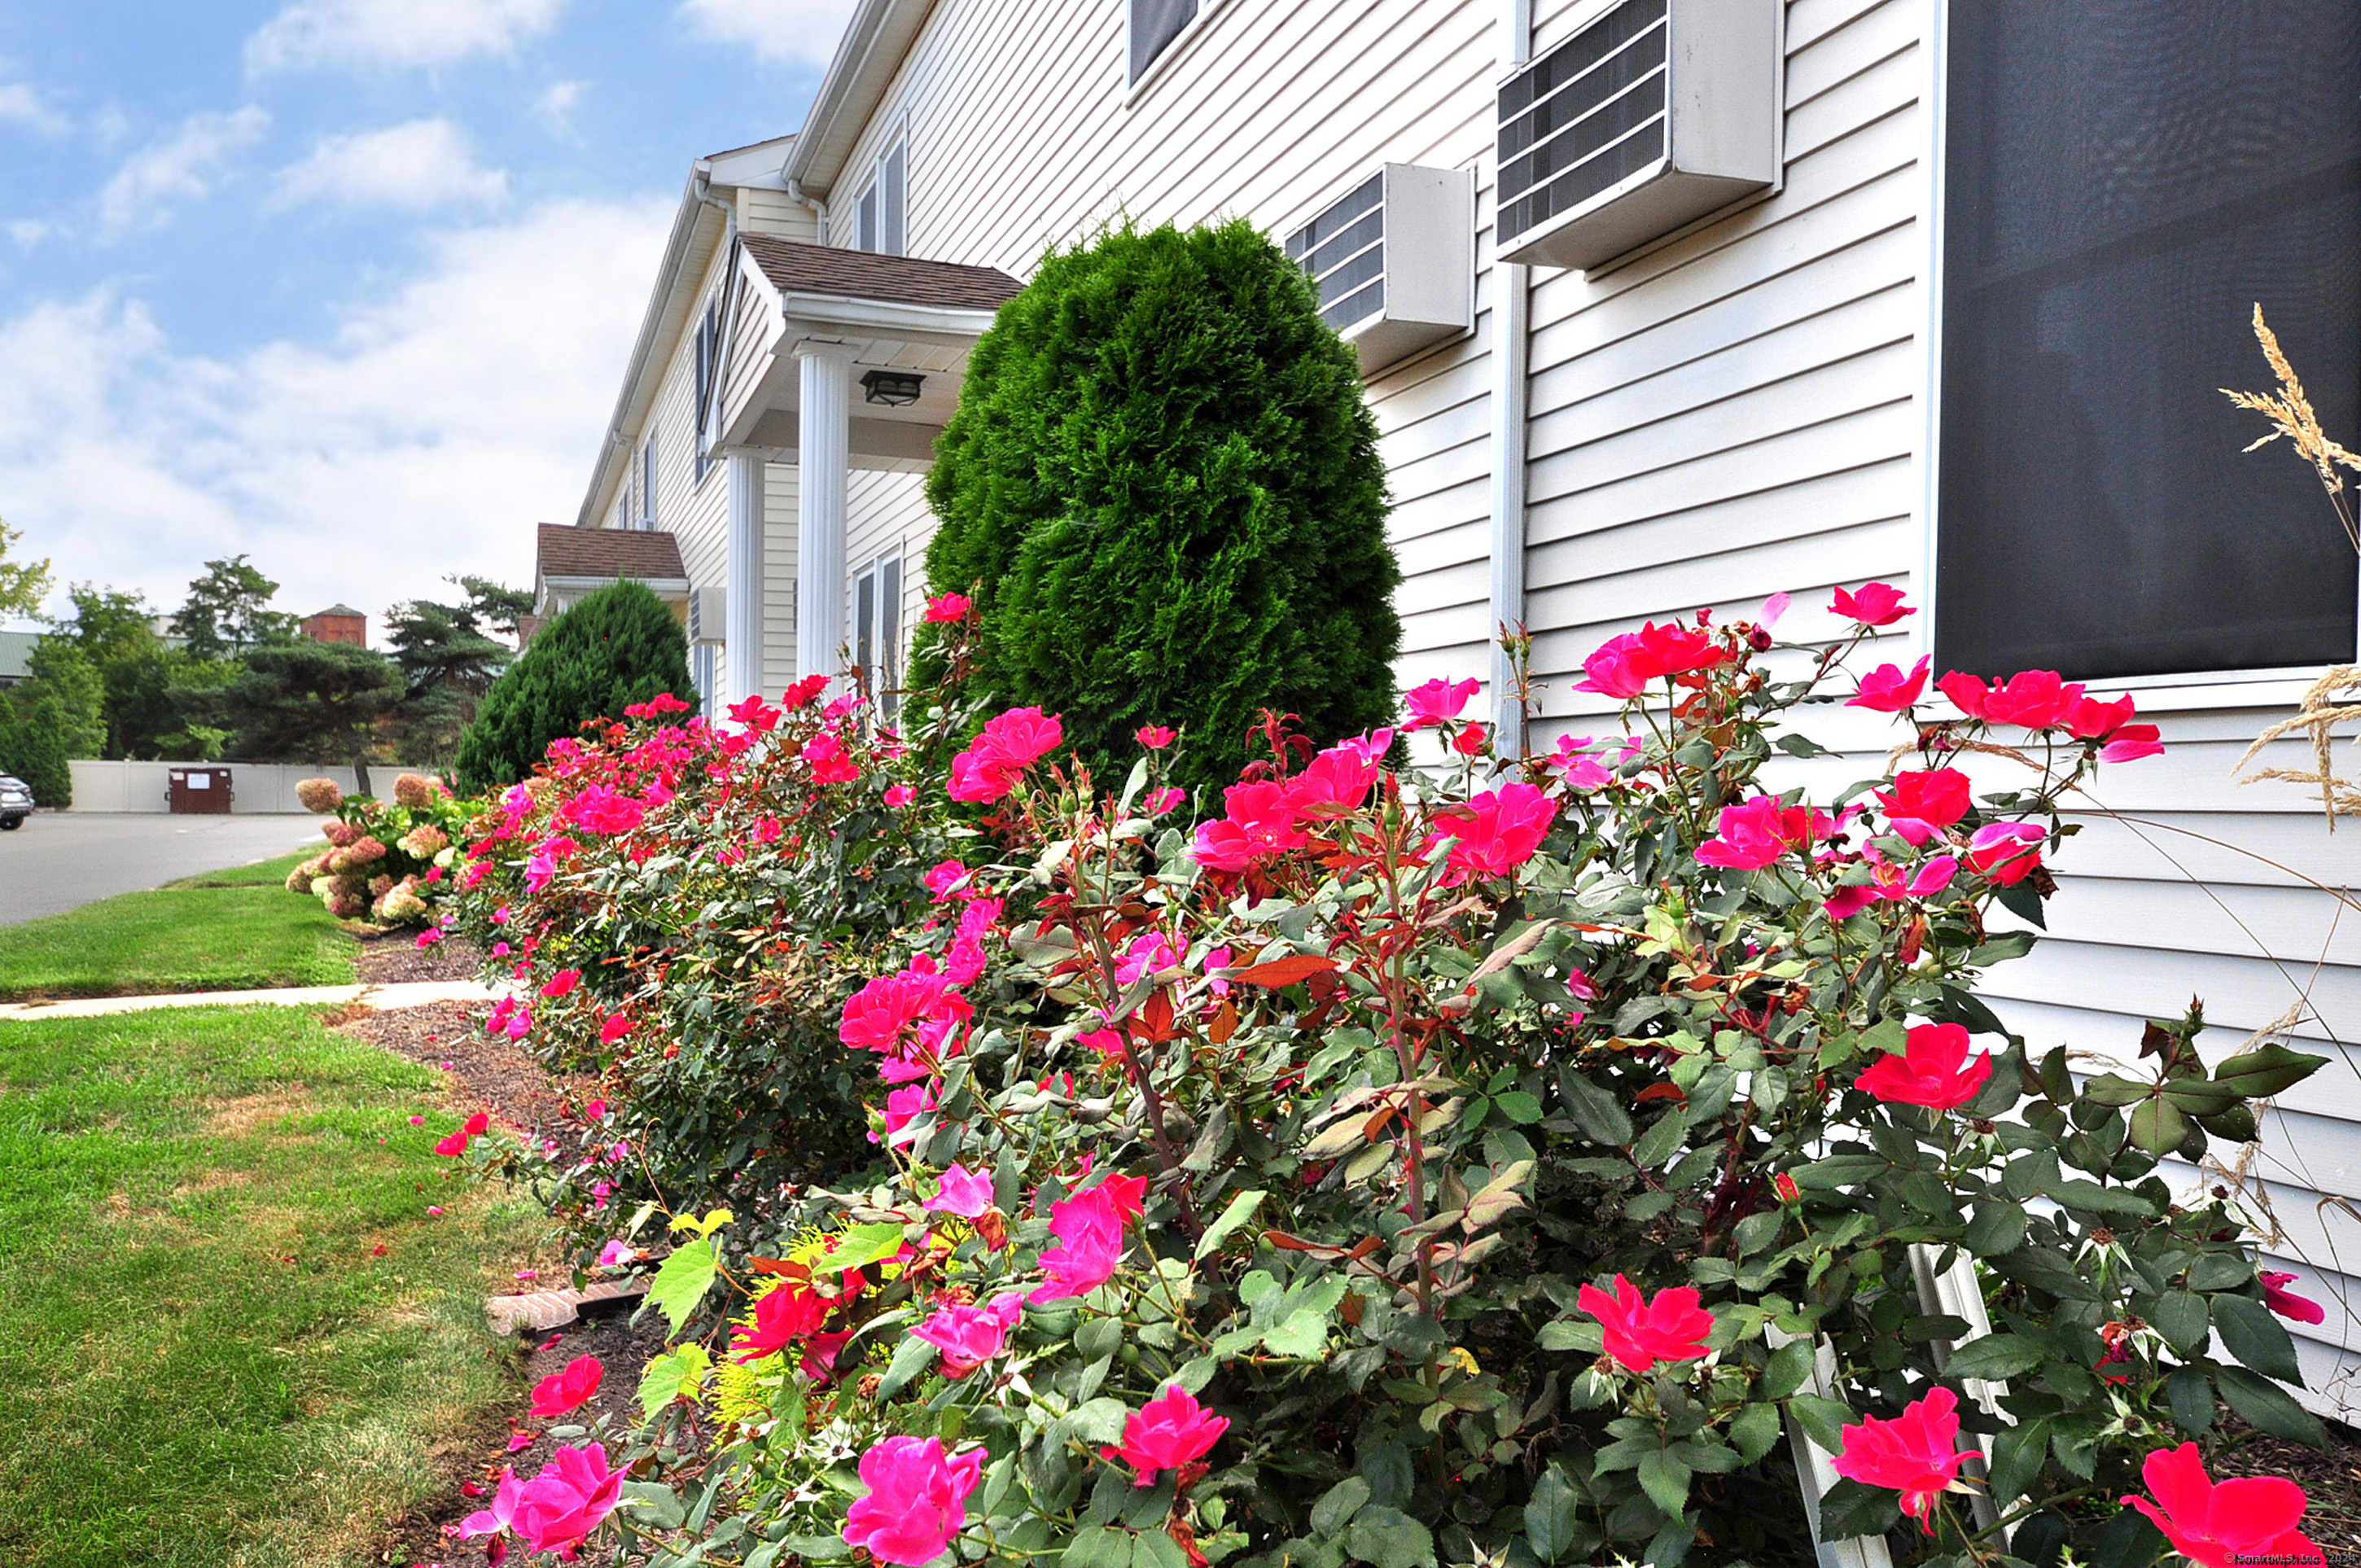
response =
{"points": [[2125, 179], [1154, 24]]}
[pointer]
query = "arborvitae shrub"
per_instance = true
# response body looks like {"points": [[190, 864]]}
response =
{"points": [[41, 751], [620, 645], [1162, 489]]}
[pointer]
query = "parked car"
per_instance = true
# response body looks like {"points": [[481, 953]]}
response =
{"points": [[16, 802]]}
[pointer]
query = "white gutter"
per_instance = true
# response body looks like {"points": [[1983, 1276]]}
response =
{"points": [[877, 38], [1511, 365], [797, 195], [618, 431]]}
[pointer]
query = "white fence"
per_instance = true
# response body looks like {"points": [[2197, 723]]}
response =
{"points": [[254, 787]]}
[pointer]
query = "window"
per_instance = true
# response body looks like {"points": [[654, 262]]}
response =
{"points": [[1154, 25], [880, 218], [2124, 180], [708, 371], [877, 632], [648, 483]]}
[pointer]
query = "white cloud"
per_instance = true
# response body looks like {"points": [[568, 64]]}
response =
{"points": [[30, 232], [796, 32], [440, 421], [418, 164], [181, 168], [557, 103], [21, 105], [378, 34]]}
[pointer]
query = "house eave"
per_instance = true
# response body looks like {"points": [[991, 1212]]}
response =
{"points": [[876, 41]]}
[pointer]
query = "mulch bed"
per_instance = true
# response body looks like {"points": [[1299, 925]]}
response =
{"points": [[392, 958], [503, 1078], [2331, 1480]]}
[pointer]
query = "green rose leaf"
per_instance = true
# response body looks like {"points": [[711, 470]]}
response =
{"points": [[2253, 1333], [1390, 1539], [1335, 1510], [2265, 1406], [1665, 1479], [1240, 1210], [2181, 1317], [1550, 1516], [1997, 1357], [2267, 1071]]}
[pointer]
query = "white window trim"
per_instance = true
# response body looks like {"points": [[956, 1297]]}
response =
{"points": [[898, 137], [1182, 43], [2182, 692]]}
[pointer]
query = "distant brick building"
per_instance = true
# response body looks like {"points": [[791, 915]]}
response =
{"points": [[339, 623]]}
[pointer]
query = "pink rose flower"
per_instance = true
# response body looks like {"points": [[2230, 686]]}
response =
{"points": [[1873, 604], [1934, 1070], [916, 1500], [970, 1336], [948, 606], [1642, 1332], [1166, 1433], [963, 1193], [1155, 736], [2254, 1518], [782, 1315], [2287, 1303], [1088, 1229], [563, 982], [1497, 832], [1916, 1453], [1921, 805], [569, 1389], [1886, 689], [1438, 701], [899, 795]]}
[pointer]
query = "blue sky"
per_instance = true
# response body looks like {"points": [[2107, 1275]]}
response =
{"points": [[346, 285]]}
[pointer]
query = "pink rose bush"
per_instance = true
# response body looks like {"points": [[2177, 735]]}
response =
{"points": [[1409, 1165]]}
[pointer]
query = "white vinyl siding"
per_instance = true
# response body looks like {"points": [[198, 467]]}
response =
{"points": [[1739, 412]]}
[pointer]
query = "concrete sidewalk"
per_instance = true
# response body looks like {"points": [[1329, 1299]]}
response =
{"points": [[376, 998]]}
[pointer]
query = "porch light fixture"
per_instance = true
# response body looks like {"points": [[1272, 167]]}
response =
{"points": [[894, 388]]}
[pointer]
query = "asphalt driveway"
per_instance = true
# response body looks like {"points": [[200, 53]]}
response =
{"points": [[60, 859]]}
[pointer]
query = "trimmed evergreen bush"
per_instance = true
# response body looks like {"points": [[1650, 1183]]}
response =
{"points": [[620, 645], [1162, 491], [40, 754]]}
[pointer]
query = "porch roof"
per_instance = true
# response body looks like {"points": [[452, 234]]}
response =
{"points": [[642, 555], [793, 268]]}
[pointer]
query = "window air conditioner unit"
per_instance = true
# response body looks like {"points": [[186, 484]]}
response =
{"points": [[1394, 261], [707, 614], [1656, 113]]}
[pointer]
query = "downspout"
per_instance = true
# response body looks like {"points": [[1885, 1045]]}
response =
{"points": [[818, 207], [1511, 360]]}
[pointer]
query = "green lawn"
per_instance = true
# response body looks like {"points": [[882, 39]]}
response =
{"points": [[270, 874], [213, 933], [203, 1361]]}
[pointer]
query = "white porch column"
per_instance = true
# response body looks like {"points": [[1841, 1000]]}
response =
{"points": [[742, 613], [823, 449]]}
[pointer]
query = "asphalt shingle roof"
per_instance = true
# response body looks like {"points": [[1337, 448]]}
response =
{"points": [[645, 557], [796, 268]]}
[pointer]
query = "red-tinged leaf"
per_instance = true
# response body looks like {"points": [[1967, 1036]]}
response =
{"points": [[1154, 1022], [1285, 1243], [1660, 1091], [1376, 1124], [1224, 1024], [782, 1266], [1365, 1246], [1290, 971]]}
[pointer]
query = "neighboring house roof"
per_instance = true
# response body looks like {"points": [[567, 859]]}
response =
{"points": [[647, 557], [344, 609], [16, 654], [876, 40], [796, 269]]}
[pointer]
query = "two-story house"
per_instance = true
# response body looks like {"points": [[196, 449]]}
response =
{"points": [[1661, 303]]}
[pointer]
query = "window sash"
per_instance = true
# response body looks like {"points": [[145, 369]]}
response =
{"points": [[1154, 25]]}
